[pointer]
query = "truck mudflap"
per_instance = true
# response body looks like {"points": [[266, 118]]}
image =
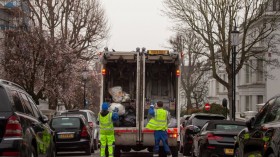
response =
{"points": [[148, 137]]}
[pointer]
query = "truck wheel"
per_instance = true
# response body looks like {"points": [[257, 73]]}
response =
{"points": [[174, 151], [162, 152], [117, 152]]}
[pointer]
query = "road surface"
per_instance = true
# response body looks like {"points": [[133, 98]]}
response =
{"points": [[96, 154]]}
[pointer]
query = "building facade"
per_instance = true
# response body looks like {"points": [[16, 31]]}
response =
{"points": [[256, 82]]}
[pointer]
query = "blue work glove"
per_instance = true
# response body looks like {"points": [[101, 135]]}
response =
{"points": [[116, 110]]}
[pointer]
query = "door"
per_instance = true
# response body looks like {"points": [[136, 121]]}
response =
{"points": [[41, 130]]}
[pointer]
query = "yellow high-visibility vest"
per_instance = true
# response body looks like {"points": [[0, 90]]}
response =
{"points": [[106, 124], [159, 121]]}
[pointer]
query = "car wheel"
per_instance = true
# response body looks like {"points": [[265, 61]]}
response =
{"points": [[117, 152], [33, 152], [236, 152], [271, 155], [181, 149], [186, 152], [92, 149], [95, 144], [53, 152], [88, 151], [192, 152]]}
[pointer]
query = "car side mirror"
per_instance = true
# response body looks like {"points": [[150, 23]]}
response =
{"points": [[44, 119], [250, 123], [196, 129], [183, 124], [192, 129]]}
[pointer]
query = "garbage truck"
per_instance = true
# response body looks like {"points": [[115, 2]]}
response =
{"points": [[132, 81]]}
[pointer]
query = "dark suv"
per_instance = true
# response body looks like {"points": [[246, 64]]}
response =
{"points": [[24, 131], [193, 126], [262, 136]]}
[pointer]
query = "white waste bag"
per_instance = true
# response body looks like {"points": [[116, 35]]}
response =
{"points": [[119, 106], [172, 123], [116, 93], [126, 97]]}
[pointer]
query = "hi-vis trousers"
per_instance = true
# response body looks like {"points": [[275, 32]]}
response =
{"points": [[109, 141]]}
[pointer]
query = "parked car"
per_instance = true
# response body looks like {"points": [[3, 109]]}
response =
{"points": [[194, 123], [24, 131], [92, 121], [261, 138], [72, 133], [216, 138]]}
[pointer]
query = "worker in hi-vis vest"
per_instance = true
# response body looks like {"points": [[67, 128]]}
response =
{"points": [[158, 123], [107, 136]]}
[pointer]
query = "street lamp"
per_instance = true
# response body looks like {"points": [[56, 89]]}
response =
{"points": [[85, 76], [234, 43]]}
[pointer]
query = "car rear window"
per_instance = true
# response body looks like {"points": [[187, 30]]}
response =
{"points": [[66, 122], [229, 127], [76, 113], [201, 120], [4, 101]]}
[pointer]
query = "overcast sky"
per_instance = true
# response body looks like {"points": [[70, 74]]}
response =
{"points": [[136, 23]]}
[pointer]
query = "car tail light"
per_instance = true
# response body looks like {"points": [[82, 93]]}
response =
{"points": [[190, 141], [10, 153], [13, 127], [90, 124], [84, 132], [213, 137], [211, 147]]}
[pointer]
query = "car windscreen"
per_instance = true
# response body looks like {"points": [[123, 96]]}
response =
{"points": [[201, 120], [76, 113], [66, 122], [229, 127], [4, 101]]}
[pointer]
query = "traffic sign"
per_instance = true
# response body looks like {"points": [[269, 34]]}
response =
{"points": [[207, 107]]}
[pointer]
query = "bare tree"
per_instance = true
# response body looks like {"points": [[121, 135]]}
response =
{"points": [[193, 66], [61, 37], [213, 21]]}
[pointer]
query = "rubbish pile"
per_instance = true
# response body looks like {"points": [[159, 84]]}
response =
{"points": [[127, 114]]}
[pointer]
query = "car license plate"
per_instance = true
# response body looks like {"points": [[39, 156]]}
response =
{"points": [[66, 136], [228, 151]]}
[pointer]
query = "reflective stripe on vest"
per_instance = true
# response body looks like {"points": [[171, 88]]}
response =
{"points": [[159, 122], [106, 124]]}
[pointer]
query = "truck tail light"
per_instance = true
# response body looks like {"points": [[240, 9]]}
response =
{"points": [[103, 71], [13, 127], [173, 135], [178, 73]]}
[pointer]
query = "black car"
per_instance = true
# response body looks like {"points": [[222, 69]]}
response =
{"points": [[24, 131], [193, 125], [216, 138], [91, 118], [72, 133], [262, 137]]}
